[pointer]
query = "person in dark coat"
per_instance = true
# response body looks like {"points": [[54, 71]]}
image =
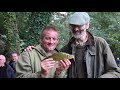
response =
{"points": [[93, 56], [13, 60], [6, 70]]}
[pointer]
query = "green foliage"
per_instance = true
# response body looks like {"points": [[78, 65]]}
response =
{"points": [[63, 29], [37, 20], [20, 29], [22, 19], [10, 26], [30, 25], [9, 32], [106, 25]]}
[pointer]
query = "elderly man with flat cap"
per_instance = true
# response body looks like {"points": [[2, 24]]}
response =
{"points": [[93, 56]]}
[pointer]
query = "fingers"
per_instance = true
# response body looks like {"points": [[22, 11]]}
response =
{"points": [[65, 63], [29, 48], [47, 64]]}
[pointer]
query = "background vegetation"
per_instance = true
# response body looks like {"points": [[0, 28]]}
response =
{"points": [[20, 29]]}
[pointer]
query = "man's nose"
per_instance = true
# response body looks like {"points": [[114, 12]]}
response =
{"points": [[51, 40]]}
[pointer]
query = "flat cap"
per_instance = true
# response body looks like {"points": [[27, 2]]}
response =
{"points": [[79, 18]]}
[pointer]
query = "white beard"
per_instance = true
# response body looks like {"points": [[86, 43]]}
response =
{"points": [[81, 35]]}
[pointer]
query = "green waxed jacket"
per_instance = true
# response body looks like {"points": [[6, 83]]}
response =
{"points": [[28, 65], [100, 62]]}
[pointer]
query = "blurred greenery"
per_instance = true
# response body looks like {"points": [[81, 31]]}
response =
{"points": [[20, 29]]}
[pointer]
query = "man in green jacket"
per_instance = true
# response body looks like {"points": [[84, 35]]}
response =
{"points": [[93, 56], [34, 65]]}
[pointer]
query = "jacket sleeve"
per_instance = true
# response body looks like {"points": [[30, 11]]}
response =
{"points": [[23, 67], [111, 68]]}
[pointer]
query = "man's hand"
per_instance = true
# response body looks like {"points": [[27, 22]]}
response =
{"points": [[29, 48], [62, 65], [45, 66]]}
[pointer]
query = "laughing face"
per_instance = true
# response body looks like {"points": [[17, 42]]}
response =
{"points": [[49, 40], [14, 57]]}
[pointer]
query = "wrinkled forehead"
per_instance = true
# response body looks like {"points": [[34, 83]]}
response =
{"points": [[50, 32]]}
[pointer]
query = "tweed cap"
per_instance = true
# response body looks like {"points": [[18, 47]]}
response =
{"points": [[79, 18]]}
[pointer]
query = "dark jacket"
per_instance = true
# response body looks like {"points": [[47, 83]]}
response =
{"points": [[100, 62], [6, 71], [13, 64]]}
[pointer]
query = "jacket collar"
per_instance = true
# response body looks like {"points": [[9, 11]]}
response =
{"points": [[91, 40]]}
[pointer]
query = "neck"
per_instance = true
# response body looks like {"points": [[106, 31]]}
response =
{"points": [[50, 52]]}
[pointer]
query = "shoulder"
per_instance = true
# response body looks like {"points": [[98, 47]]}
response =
{"points": [[99, 40], [36, 52], [28, 53], [8, 67]]}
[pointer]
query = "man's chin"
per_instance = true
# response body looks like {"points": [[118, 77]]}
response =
{"points": [[51, 49], [77, 36]]}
